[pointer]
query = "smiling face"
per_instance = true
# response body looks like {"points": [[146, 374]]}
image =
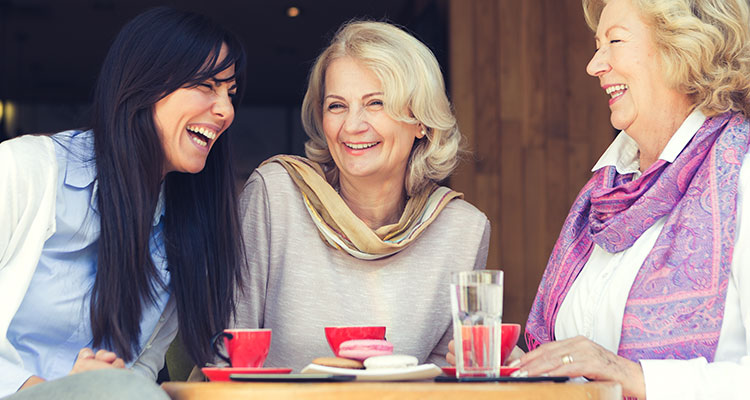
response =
{"points": [[628, 67], [191, 119], [364, 141]]}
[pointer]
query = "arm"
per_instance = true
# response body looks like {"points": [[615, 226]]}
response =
{"points": [[256, 233], [441, 354], [15, 378], [27, 194], [151, 359], [484, 247], [694, 379]]}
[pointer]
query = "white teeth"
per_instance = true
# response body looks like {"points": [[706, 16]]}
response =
{"points": [[360, 146], [198, 141], [203, 131], [614, 90]]}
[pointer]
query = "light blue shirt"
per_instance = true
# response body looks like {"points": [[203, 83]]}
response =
{"points": [[52, 324]]}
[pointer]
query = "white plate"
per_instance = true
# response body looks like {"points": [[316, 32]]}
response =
{"points": [[417, 373]]}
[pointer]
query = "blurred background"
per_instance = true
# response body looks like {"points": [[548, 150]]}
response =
{"points": [[515, 69]]}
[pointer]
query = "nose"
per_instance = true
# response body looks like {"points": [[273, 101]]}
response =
{"points": [[223, 107], [599, 64], [355, 121]]}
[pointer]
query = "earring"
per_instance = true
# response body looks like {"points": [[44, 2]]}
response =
{"points": [[424, 131]]}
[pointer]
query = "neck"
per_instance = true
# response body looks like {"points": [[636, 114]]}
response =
{"points": [[653, 138], [377, 203]]}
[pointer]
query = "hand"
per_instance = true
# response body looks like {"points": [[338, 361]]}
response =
{"points": [[580, 356], [88, 361], [451, 356], [514, 357]]}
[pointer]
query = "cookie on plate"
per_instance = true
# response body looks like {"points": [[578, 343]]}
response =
{"points": [[338, 362], [391, 361], [365, 348]]}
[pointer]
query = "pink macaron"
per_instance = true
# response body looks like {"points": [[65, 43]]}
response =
{"points": [[365, 348]]}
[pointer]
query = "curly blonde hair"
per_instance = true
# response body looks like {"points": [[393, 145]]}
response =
{"points": [[413, 91], [704, 47]]}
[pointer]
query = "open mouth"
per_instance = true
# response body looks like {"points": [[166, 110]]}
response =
{"points": [[200, 135], [615, 91], [360, 146]]}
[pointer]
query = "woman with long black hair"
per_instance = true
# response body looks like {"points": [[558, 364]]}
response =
{"points": [[110, 236]]}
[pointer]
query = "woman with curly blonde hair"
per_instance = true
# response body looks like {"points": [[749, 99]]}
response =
{"points": [[360, 232], [649, 282]]}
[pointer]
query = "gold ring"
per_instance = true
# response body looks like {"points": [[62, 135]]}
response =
{"points": [[567, 359]]}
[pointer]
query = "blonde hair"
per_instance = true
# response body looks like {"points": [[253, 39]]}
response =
{"points": [[413, 92], [704, 47]]}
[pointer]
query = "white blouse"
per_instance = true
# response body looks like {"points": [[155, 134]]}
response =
{"points": [[595, 304]]}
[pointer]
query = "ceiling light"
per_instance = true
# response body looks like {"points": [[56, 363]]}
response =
{"points": [[292, 12]]}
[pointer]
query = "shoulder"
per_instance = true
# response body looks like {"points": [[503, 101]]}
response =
{"points": [[27, 146], [270, 177], [28, 154], [460, 209], [273, 172], [268, 186], [463, 219]]}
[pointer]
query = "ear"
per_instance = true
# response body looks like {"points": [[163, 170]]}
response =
{"points": [[421, 131]]}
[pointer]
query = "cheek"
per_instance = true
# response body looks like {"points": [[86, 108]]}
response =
{"points": [[230, 119], [330, 128]]}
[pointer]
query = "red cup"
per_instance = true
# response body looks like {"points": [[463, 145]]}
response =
{"points": [[508, 341], [340, 334], [480, 334], [246, 348]]}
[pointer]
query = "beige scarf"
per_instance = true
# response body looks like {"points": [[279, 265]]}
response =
{"points": [[341, 229]]}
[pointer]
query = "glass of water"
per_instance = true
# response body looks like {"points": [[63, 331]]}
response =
{"points": [[477, 306]]}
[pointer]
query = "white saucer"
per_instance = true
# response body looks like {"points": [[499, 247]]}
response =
{"points": [[417, 373]]}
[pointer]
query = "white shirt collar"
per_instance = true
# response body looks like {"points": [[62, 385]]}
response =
{"points": [[623, 152]]}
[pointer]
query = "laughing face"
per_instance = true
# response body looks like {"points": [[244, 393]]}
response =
{"points": [[627, 65], [364, 141], [190, 119]]}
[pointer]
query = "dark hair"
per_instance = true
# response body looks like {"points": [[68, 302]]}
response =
{"points": [[158, 52]]}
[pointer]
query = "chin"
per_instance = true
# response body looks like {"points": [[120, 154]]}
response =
{"points": [[619, 123], [193, 169]]}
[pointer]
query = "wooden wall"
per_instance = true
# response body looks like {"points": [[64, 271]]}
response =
{"points": [[535, 121]]}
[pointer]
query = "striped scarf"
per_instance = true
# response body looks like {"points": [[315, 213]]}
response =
{"points": [[341, 229]]}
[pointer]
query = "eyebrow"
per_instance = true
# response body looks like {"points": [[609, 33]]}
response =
{"points": [[368, 95], [220, 81], [606, 33]]}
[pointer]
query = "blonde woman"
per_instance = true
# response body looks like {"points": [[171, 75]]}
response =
{"points": [[649, 282], [360, 233]]}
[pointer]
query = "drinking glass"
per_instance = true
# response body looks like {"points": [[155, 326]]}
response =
{"points": [[477, 307]]}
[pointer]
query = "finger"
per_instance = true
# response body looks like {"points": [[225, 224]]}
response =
{"points": [[118, 363], [544, 353], [106, 356], [514, 359], [451, 359], [451, 347], [85, 353], [556, 358]]}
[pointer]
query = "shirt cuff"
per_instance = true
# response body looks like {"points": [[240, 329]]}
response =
{"points": [[12, 377], [695, 379]]}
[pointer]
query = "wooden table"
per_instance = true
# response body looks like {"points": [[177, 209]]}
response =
{"points": [[393, 390]]}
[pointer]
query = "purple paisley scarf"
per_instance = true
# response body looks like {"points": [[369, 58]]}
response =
{"points": [[676, 304]]}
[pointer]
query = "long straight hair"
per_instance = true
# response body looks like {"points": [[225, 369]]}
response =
{"points": [[155, 54]]}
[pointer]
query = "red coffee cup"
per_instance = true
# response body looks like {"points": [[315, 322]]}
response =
{"points": [[475, 336], [340, 334], [510, 334], [246, 348]]}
